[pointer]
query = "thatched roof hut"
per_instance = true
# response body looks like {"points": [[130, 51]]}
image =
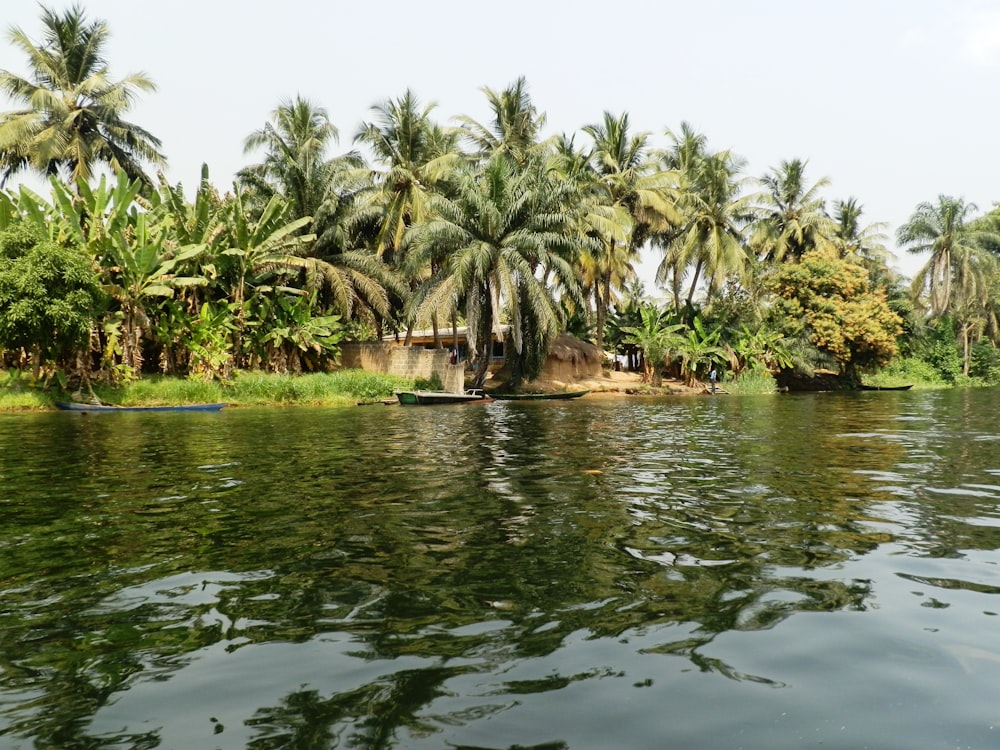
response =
{"points": [[569, 359]]}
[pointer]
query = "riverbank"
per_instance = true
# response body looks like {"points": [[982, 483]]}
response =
{"points": [[612, 383], [341, 388]]}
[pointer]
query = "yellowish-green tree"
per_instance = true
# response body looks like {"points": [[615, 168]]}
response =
{"points": [[830, 302]]}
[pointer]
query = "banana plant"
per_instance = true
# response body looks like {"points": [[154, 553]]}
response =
{"points": [[762, 349], [293, 336], [258, 246], [208, 344], [143, 269], [697, 348], [656, 337], [93, 216]]}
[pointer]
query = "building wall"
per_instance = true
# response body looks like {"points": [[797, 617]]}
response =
{"points": [[406, 361]]}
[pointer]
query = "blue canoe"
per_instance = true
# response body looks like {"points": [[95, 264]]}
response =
{"points": [[102, 408]]}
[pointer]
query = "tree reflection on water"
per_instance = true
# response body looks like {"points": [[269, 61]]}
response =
{"points": [[449, 548]]}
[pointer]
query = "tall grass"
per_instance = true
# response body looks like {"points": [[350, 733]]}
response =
{"points": [[158, 390], [341, 388], [328, 388], [750, 382], [18, 399], [907, 371]]}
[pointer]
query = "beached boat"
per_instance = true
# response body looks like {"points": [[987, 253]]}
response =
{"points": [[104, 408], [427, 398], [537, 396]]}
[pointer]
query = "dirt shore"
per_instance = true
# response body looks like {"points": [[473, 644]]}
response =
{"points": [[612, 383]]}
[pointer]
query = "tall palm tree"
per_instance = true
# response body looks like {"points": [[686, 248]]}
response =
{"points": [[943, 230], [973, 303], [854, 239], [296, 164], [793, 215], [416, 154], [598, 224], [73, 114], [516, 126], [492, 244], [627, 178], [715, 216]]}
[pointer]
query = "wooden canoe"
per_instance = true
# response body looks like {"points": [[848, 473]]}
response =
{"points": [[537, 396], [428, 398]]}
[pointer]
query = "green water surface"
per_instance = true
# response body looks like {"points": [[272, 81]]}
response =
{"points": [[760, 572]]}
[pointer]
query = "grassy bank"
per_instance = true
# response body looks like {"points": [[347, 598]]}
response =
{"points": [[341, 388]]}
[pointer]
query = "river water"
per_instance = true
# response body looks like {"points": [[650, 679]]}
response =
{"points": [[759, 572]]}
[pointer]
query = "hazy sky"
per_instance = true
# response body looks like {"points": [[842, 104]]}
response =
{"points": [[894, 101]]}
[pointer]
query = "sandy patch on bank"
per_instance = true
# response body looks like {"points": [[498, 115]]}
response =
{"points": [[610, 383]]}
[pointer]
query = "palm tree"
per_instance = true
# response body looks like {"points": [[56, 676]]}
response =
{"points": [[973, 303], [73, 111], [598, 223], [627, 178], [515, 128], [296, 165], [417, 155], [793, 215], [492, 243], [853, 239], [716, 214], [943, 230]]}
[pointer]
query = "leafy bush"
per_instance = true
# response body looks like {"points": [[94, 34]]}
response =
{"points": [[908, 371], [985, 363], [751, 382], [433, 383], [48, 295]]}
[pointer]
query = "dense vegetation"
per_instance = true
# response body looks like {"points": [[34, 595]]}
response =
{"points": [[117, 273]]}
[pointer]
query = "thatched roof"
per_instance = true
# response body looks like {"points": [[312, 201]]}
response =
{"points": [[568, 348]]}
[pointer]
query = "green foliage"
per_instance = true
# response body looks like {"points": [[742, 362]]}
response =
{"points": [[938, 347], [830, 301], [209, 345], [762, 350], [985, 362], [283, 334], [48, 296], [697, 348], [341, 388], [335, 388], [363, 385], [908, 371], [433, 383], [751, 382], [156, 389], [656, 338]]}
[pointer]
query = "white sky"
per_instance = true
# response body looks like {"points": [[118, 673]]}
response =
{"points": [[894, 101]]}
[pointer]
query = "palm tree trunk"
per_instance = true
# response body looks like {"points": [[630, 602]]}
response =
{"points": [[694, 282], [601, 297], [966, 357], [485, 339]]}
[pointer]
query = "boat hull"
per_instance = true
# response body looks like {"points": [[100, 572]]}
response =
{"points": [[537, 396], [103, 408], [429, 398]]}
